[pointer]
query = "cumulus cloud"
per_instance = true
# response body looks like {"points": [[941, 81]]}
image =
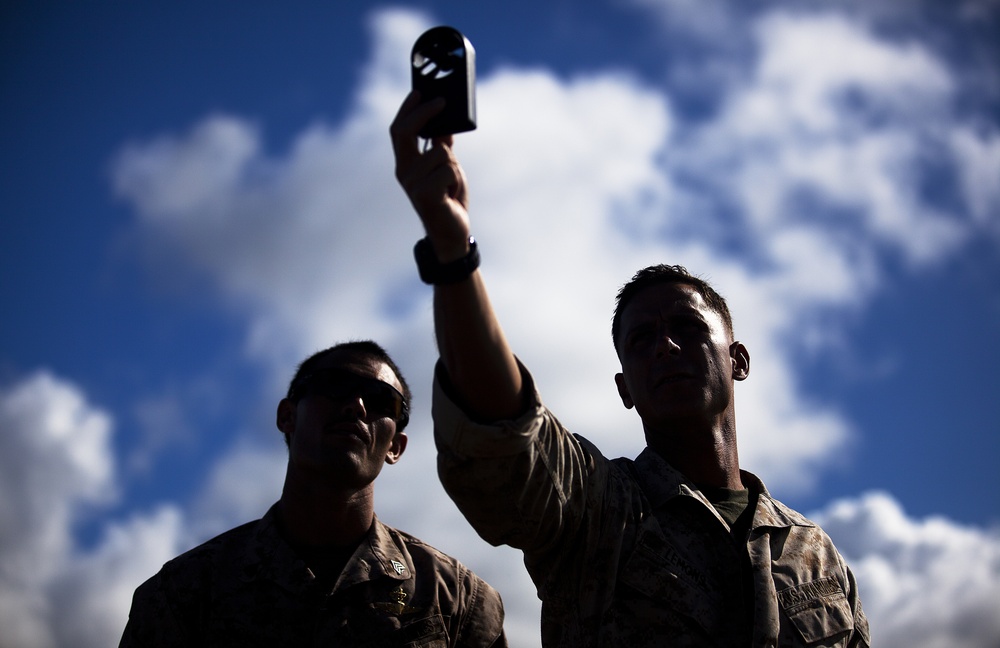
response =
{"points": [[929, 583], [54, 449], [91, 596], [300, 239], [978, 153], [240, 487], [58, 469], [58, 466], [162, 420], [55, 454], [834, 112]]}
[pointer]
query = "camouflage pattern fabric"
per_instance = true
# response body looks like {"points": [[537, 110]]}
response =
{"points": [[247, 587], [630, 553]]}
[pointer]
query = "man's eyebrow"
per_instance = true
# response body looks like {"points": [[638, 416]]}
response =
{"points": [[642, 321], [690, 312]]}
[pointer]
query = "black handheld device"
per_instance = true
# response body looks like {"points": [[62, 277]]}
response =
{"points": [[443, 64]]}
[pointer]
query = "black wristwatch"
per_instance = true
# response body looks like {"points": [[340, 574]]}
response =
{"points": [[436, 273]]}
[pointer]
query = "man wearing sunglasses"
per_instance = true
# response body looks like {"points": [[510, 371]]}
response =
{"points": [[320, 568], [679, 547]]}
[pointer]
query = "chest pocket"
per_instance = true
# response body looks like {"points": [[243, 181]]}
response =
{"points": [[818, 610], [425, 632], [670, 585], [422, 633]]}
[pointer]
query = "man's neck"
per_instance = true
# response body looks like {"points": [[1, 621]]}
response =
{"points": [[318, 515], [705, 455]]}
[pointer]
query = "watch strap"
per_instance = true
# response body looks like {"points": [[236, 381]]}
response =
{"points": [[435, 273]]}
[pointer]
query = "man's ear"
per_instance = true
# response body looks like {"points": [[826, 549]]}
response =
{"points": [[623, 391], [396, 448], [285, 418], [741, 360]]}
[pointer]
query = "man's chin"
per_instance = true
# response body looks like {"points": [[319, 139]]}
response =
{"points": [[674, 412]]}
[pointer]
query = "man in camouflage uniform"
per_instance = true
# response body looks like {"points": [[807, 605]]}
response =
{"points": [[676, 548], [319, 569]]}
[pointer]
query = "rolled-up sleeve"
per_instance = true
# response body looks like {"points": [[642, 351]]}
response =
{"points": [[519, 482], [456, 433]]}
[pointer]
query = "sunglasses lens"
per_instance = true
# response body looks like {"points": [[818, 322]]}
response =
{"points": [[380, 398]]}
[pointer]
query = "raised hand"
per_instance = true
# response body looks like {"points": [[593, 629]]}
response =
{"points": [[432, 178]]}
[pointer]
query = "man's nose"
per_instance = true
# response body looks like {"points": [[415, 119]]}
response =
{"points": [[354, 405], [665, 345]]}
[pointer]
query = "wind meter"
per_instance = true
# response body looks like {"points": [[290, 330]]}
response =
{"points": [[443, 64]]}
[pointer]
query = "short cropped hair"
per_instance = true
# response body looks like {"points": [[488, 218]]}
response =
{"points": [[662, 274]]}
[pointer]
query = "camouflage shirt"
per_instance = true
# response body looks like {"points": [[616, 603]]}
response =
{"points": [[247, 587], [630, 553]]}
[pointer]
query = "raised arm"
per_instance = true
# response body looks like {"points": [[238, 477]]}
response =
{"points": [[471, 342]]}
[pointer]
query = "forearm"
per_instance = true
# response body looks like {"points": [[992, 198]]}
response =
{"points": [[475, 351], [470, 339]]}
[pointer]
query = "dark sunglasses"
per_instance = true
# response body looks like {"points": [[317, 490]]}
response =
{"points": [[380, 398]]}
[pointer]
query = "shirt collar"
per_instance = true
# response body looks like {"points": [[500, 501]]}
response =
{"points": [[662, 482], [269, 556], [378, 555]]}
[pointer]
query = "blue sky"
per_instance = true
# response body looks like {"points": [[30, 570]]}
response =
{"points": [[197, 195]]}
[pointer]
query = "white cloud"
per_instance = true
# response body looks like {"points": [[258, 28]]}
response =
{"points": [[834, 128], [55, 461], [977, 151], [170, 178], [814, 63], [162, 421], [245, 481], [91, 596], [57, 467], [927, 583], [320, 244]]}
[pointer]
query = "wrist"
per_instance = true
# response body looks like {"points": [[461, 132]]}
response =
{"points": [[455, 267], [451, 250]]}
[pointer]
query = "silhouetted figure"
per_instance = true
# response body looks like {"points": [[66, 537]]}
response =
{"points": [[319, 569], [678, 547]]}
